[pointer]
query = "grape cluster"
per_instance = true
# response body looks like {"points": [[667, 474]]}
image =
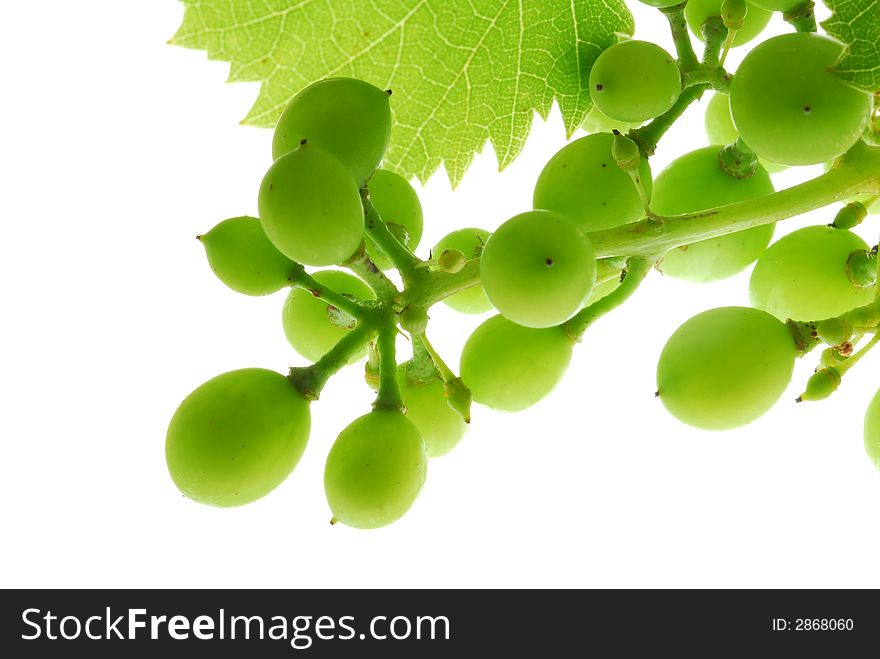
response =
{"points": [[600, 223]]}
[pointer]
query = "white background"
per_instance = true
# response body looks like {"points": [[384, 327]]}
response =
{"points": [[116, 150]]}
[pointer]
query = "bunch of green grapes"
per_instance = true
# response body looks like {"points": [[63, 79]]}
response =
{"points": [[332, 220]]}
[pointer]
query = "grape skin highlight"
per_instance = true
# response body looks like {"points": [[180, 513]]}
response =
{"points": [[237, 437], [726, 367], [375, 470]]}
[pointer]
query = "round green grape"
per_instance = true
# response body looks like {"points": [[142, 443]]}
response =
{"points": [[509, 367], [597, 122], [725, 367], [237, 437], [440, 426], [776, 5], [538, 269], [397, 204], [634, 81], [307, 321], [244, 259], [469, 242], [310, 208], [349, 119], [803, 275], [375, 470], [790, 108], [872, 430], [697, 11], [695, 182], [583, 182]]}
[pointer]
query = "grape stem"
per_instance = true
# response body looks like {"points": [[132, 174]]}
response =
{"points": [[684, 47], [388, 397], [649, 135], [403, 259], [429, 288], [301, 279], [445, 372], [802, 17], [857, 172], [310, 380], [714, 34], [361, 264], [637, 268], [853, 360], [714, 76]]}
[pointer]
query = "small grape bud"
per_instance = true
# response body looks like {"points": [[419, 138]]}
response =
{"points": [[459, 398], [831, 357], [734, 13], [371, 375], [834, 331], [625, 152], [821, 384], [451, 260], [414, 319], [861, 268], [850, 216]]}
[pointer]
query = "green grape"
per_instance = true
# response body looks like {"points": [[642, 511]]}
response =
{"points": [[660, 4], [375, 470], [695, 182], [349, 119], [470, 242], [803, 275], [310, 208], [697, 11], [790, 108], [237, 437], [634, 81], [776, 5], [509, 367], [718, 122], [725, 367], [397, 204], [720, 129], [308, 325], [584, 182], [244, 259], [538, 269], [872, 430], [440, 426], [598, 122]]}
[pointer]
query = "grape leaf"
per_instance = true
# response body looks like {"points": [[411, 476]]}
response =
{"points": [[857, 24], [462, 71]]}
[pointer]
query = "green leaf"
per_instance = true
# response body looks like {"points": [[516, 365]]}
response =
{"points": [[462, 71], [857, 24]]}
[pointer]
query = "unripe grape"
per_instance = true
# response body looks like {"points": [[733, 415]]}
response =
{"points": [[850, 215], [831, 357], [427, 406], [509, 367], [861, 268], [414, 319], [778, 5], [821, 385], [399, 207], [625, 152], [375, 470], [726, 367], [538, 269], [348, 118], [634, 81], [459, 398], [661, 4], [734, 13], [451, 260], [834, 331], [244, 259], [237, 437], [310, 208], [469, 242], [754, 20]]}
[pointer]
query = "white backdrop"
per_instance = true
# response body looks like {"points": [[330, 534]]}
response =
{"points": [[116, 150]]}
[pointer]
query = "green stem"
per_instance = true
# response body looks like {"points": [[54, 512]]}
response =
{"points": [[388, 397], [714, 34], [858, 172], [684, 47], [803, 17], [637, 269], [714, 76], [649, 135], [445, 372], [303, 280], [362, 265], [852, 361], [429, 288], [404, 260], [310, 380]]}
